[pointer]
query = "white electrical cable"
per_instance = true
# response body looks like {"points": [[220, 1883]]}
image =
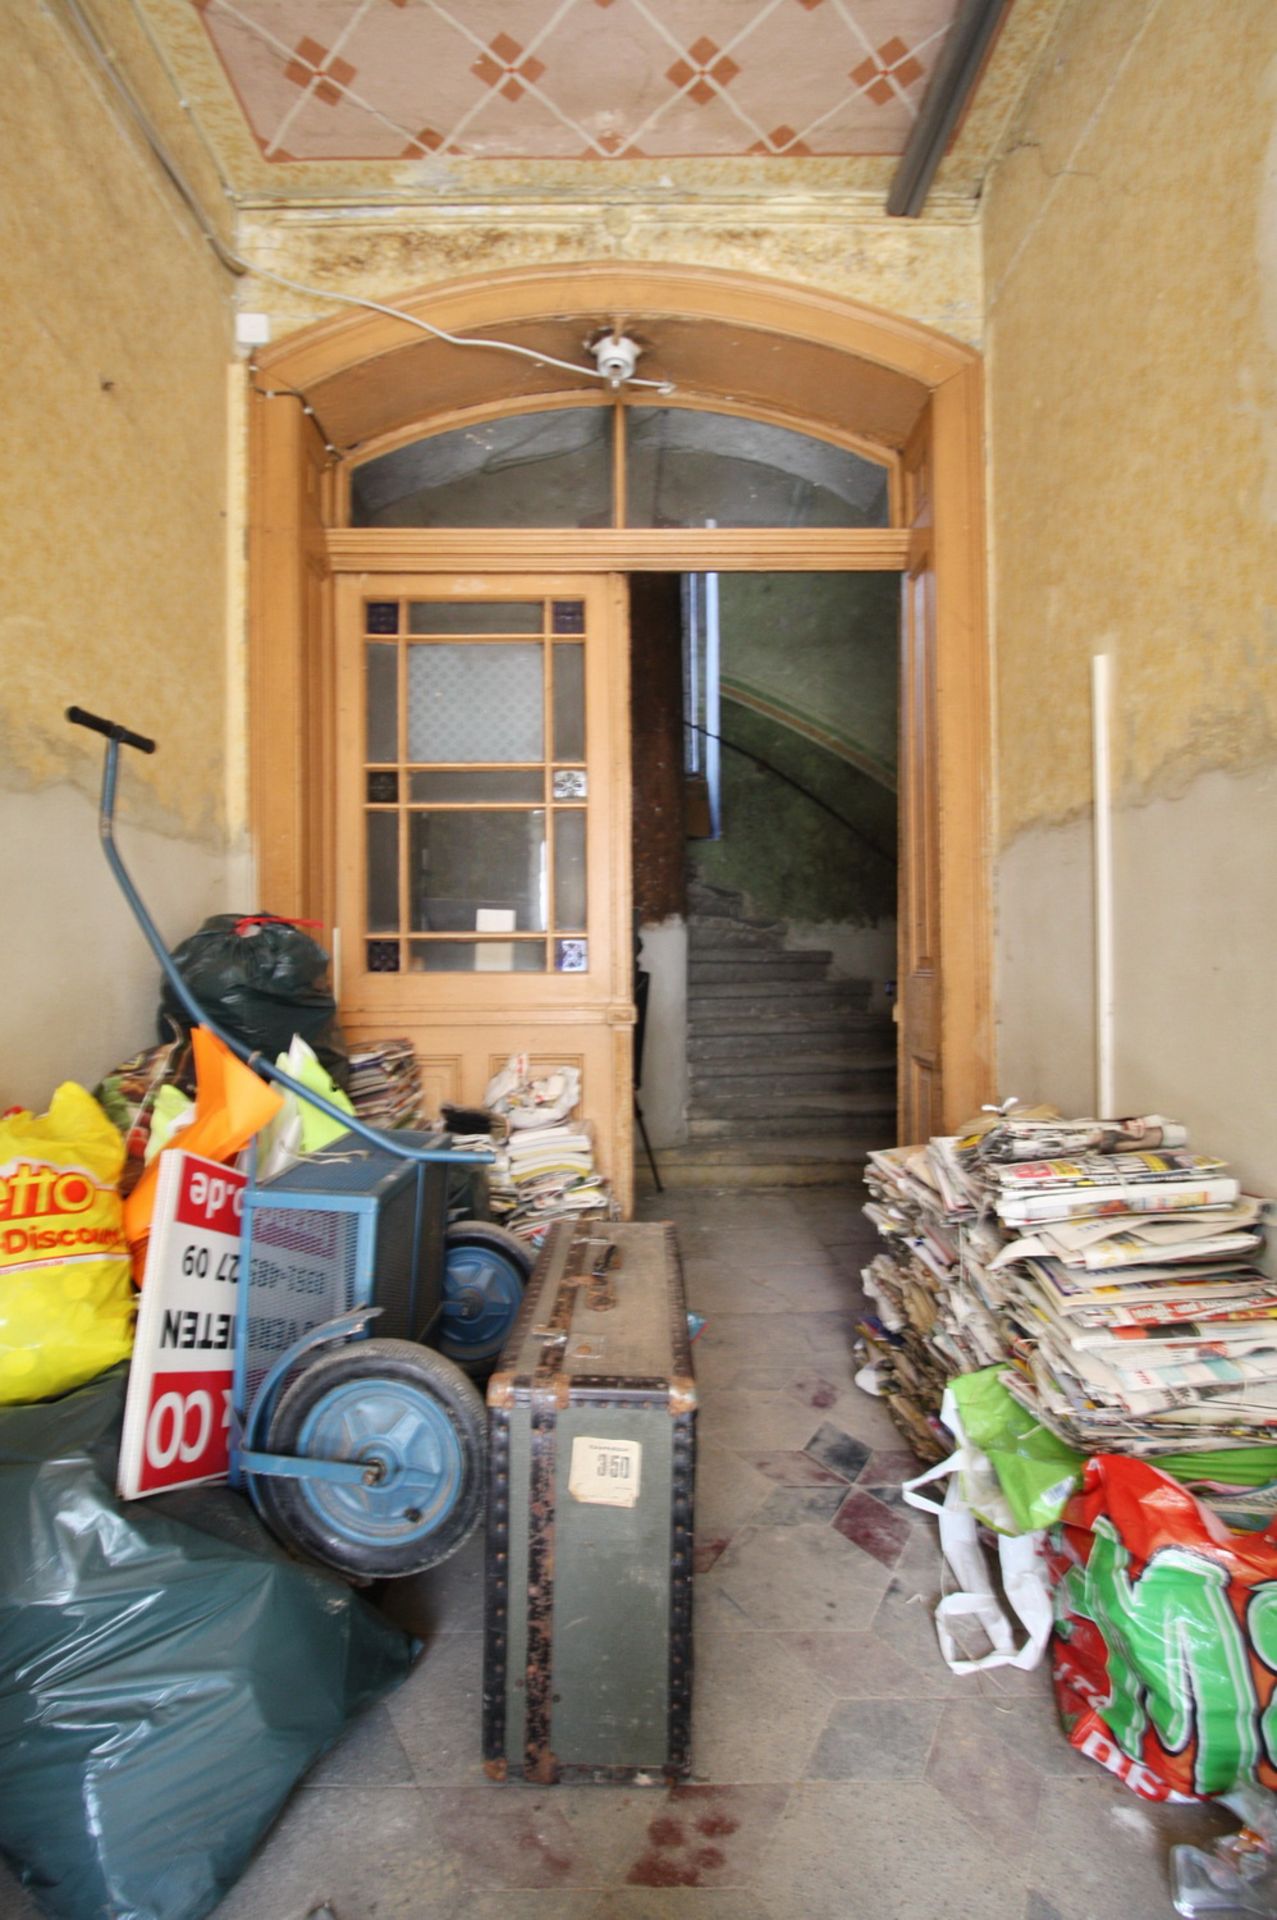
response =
{"points": [[439, 333], [237, 264]]}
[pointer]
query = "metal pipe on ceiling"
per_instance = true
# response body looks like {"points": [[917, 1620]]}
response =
{"points": [[955, 75]]}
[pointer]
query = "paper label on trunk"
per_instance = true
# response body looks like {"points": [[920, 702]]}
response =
{"points": [[605, 1473]]}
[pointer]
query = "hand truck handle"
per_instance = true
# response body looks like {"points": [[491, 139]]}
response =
{"points": [[111, 728]]}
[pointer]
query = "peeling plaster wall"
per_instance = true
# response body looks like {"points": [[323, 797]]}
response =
{"points": [[925, 270], [115, 325], [1131, 268]]}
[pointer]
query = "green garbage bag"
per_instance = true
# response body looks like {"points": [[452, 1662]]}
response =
{"points": [[1035, 1471], [167, 1673]]}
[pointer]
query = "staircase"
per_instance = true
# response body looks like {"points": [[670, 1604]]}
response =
{"points": [[793, 1079]]}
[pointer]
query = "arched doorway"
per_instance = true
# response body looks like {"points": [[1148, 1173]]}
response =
{"points": [[896, 391]]}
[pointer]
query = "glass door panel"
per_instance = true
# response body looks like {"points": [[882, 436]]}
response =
{"points": [[475, 785]]}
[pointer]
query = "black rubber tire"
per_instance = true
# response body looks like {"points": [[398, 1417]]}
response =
{"points": [[484, 1233], [293, 1516]]}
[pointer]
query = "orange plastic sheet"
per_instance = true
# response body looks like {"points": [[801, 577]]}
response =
{"points": [[232, 1103]]}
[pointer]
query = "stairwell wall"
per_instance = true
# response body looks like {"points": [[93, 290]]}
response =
{"points": [[1131, 265]]}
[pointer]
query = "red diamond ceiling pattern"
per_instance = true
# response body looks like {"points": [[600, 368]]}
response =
{"points": [[576, 79]]}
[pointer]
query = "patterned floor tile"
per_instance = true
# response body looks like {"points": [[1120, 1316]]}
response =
{"points": [[860, 1666], [793, 1469], [757, 1711], [1101, 1854], [804, 1576], [838, 1451], [876, 1740], [870, 1525], [510, 1836], [799, 1506], [882, 1851]]}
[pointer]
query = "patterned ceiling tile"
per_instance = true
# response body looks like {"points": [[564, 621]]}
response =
{"points": [[498, 79]]}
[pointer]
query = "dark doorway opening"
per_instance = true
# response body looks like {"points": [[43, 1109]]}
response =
{"points": [[765, 899]]}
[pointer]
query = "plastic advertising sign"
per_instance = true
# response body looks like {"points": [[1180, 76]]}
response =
{"points": [[177, 1414]]}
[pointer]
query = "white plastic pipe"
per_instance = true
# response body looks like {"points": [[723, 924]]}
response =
{"points": [[1102, 814]]}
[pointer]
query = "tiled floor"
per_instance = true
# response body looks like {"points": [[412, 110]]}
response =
{"points": [[841, 1773]]}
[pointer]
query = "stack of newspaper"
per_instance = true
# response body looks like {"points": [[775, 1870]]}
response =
{"points": [[932, 1315], [385, 1083], [545, 1169], [544, 1174], [1112, 1267]]}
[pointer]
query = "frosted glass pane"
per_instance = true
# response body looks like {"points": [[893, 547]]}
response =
{"points": [[476, 956], [686, 469], [569, 871], [569, 703], [532, 470], [383, 872], [459, 863], [476, 616], [382, 733], [450, 785], [476, 703]]}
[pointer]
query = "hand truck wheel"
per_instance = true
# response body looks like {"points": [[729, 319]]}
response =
{"points": [[420, 1426], [485, 1270]]}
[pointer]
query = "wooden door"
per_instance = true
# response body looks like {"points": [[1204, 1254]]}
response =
{"points": [[483, 831], [919, 1091]]}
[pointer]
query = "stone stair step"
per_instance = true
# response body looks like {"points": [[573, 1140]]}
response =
{"points": [[861, 1114], [737, 994], [754, 970], [679, 1170], [761, 959], [730, 1098], [717, 1005], [813, 1064], [793, 1039], [830, 1104], [713, 931]]}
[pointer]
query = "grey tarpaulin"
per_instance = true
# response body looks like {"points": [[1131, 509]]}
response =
{"points": [[167, 1674]]}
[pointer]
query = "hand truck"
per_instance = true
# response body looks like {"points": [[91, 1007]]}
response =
{"points": [[366, 1453]]}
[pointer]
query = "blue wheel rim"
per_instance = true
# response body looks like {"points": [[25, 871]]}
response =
{"points": [[404, 1430], [482, 1291]]}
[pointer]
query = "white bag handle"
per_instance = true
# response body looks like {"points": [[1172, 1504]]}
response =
{"points": [[1023, 1576]]}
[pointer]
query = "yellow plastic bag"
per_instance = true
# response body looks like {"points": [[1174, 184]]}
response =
{"points": [[66, 1301]]}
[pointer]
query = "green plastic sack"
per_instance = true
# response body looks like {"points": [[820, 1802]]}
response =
{"points": [[169, 1673], [1036, 1472]]}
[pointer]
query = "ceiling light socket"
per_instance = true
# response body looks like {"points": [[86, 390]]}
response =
{"points": [[617, 357]]}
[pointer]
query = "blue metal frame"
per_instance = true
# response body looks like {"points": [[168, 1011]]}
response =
{"points": [[249, 1424]]}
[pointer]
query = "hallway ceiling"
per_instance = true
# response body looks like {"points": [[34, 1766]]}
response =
{"points": [[576, 79], [304, 97]]}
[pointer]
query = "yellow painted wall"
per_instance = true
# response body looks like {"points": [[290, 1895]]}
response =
{"points": [[1131, 263], [1131, 276], [115, 329]]}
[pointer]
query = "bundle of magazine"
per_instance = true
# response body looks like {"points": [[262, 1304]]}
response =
{"points": [[1116, 1271], [385, 1083], [544, 1174]]}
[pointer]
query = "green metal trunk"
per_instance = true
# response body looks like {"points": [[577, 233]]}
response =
{"points": [[591, 1423]]}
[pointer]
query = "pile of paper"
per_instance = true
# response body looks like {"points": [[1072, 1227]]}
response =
{"points": [[932, 1317], [385, 1084], [1112, 1267], [544, 1170]]}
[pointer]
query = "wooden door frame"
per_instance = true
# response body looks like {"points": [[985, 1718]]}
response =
{"points": [[292, 544]]}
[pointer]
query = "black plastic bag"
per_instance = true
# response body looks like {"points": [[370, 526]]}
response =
{"points": [[259, 978], [167, 1674]]}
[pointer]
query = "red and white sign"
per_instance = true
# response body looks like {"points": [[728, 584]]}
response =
{"points": [[177, 1413]]}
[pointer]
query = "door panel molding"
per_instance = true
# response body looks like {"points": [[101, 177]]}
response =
{"points": [[834, 363]]}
